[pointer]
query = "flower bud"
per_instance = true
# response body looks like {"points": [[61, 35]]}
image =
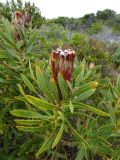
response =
{"points": [[91, 65]]}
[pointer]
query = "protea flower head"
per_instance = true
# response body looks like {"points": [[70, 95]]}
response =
{"points": [[19, 18], [27, 16], [62, 61], [17, 21]]}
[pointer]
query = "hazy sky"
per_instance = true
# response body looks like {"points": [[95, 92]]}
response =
{"points": [[73, 8]]}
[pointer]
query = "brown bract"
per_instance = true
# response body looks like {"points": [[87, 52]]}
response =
{"points": [[62, 61], [19, 18], [20, 21]]}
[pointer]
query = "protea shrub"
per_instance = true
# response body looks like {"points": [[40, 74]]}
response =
{"points": [[54, 120]]}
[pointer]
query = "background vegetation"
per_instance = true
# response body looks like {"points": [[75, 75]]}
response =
{"points": [[74, 120]]}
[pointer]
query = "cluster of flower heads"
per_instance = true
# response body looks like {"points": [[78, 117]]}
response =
{"points": [[62, 61], [21, 21]]}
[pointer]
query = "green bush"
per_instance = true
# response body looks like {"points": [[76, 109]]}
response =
{"points": [[54, 120], [95, 28], [14, 60], [116, 29], [80, 45], [7, 10], [116, 57], [73, 114], [70, 120], [53, 36]]}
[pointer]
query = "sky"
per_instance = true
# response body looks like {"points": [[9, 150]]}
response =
{"points": [[73, 8]]}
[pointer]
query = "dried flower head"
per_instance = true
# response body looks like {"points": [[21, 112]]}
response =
{"points": [[19, 18], [27, 15], [17, 21], [27, 18], [62, 61]]}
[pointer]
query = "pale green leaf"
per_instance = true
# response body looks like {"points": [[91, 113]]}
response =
{"points": [[28, 83], [25, 113], [37, 102], [58, 137], [63, 86]]}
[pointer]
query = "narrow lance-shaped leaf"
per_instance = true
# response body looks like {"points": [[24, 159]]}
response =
{"points": [[27, 122], [43, 84], [86, 91], [59, 135], [53, 87], [31, 41], [92, 109], [80, 75], [71, 107], [118, 83], [81, 153], [25, 113], [21, 90], [63, 86], [75, 132], [84, 95], [45, 145], [28, 83], [77, 71], [19, 43], [85, 87], [31, 72], [28, 129], [37, 102], [116, 153], [69, 85]]}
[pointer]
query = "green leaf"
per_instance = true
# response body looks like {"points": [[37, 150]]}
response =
{"points": [[71, 107], [85, 87], [27, 122], [21, 90], [116, 154], [92, 109], [113, 90], [63, 86], [105, 131], [69, 85], [28, 83], [81, 153], [84, 95], [7, 38], [44, 84], [29, 142], [31, 72], [32, 37], [58, 137], [45, 146], [53, 86], [28, 129], [31, 41], [1, 132], [20, 98], [25, 113], [19, 43], [42, 105], [104, 149], [80, 76], [118, 83], [79, 136], [77, 70]]}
